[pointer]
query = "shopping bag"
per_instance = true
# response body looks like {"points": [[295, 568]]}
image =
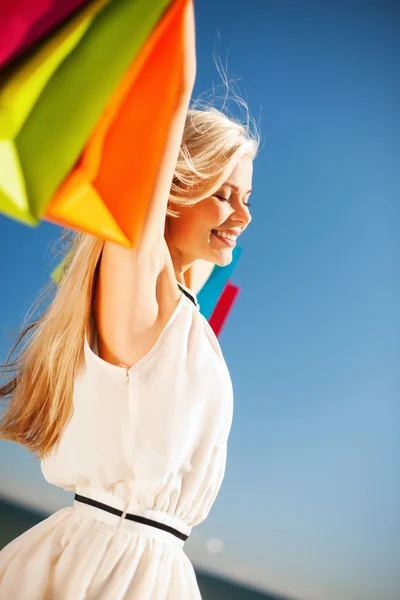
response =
{"points": [[212, 290], [23, 22], [51, 100], [223, 307], [108, 192]]}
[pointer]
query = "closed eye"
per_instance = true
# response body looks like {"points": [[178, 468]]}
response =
{"points": [[247, 204]]}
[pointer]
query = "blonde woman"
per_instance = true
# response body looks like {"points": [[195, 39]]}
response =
{"points": [[122, 388]]}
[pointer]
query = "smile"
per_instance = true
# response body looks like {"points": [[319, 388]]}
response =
{"points": [[225, 238]]}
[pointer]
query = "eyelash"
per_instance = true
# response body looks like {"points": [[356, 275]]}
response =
{"points": [[228, 199]]}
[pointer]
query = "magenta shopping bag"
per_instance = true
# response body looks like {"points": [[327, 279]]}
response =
{"points": [[23, 22]]}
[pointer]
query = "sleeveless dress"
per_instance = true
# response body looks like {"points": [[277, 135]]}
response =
{"points": [[145, 452]]}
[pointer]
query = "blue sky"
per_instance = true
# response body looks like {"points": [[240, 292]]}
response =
{"points": [[310, 501]]}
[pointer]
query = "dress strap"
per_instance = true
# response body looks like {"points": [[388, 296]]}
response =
{"points": [[188, 293]]}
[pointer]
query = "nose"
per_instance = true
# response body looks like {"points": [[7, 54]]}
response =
{"points": [[241, 214]]}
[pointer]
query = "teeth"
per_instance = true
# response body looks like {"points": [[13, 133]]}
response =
{"points": [[228, 236]]}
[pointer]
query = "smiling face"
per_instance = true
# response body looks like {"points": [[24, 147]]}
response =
{"points": [[208, 229]]}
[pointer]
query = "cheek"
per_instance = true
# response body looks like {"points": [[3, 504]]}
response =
{"points": [[188, 225], [200, 219], [213, 213]]}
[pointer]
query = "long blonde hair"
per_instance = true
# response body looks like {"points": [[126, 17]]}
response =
{"points": [[40, 390]]}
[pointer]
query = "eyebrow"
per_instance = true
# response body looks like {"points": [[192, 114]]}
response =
{"points": [[235, 187]]}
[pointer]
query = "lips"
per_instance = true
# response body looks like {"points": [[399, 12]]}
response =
{"points": [[223, 240]]}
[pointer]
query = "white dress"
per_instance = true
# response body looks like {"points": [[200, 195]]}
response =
{"points": [[150, 441]]}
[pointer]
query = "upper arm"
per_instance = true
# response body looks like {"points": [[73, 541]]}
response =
{"points": [[125, 300]]}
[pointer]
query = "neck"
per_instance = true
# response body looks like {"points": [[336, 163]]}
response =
{"points": [[182, 269], [193, 274]]}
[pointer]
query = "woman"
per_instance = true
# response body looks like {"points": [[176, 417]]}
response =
{"points": [[123, 390]]}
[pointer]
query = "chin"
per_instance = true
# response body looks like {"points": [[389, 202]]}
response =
{"points": [[221, 258], [224, 259]]}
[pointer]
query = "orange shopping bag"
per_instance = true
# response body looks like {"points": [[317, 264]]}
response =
{"points": [[108, 191]]}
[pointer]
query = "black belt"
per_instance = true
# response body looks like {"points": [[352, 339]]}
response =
{"points": [[130, 517]]}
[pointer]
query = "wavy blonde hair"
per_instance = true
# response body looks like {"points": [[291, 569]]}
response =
{"points": [[40, 389]]}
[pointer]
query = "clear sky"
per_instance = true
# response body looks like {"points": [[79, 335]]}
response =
{"points": [[310, 501]]}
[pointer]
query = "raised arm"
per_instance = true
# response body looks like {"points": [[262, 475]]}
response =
{"points": [[128, 292]]}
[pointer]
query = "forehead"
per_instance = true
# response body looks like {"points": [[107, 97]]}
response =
{"points": [[242, 174]]}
